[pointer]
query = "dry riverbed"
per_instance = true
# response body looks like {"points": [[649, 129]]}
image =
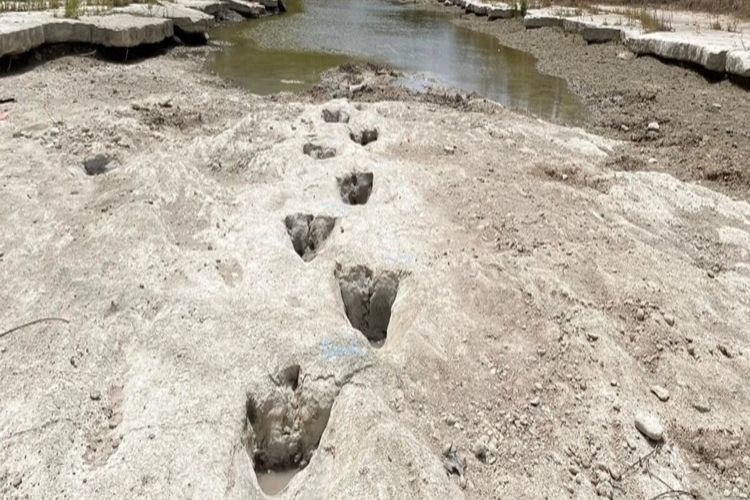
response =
{"points": [[703, 120], [542, 312]]}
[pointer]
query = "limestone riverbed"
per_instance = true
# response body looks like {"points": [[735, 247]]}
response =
{"points": [[368, 291]]}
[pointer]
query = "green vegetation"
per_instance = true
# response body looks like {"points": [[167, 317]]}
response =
{"points": [[520, 8], [71, 8], [649, 20]]}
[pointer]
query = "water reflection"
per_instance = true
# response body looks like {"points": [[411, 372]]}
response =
{"points": [[289, 52]]}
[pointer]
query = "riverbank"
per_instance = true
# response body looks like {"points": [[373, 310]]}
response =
{"points": [[538, 302], [134, 26], [704, 119]]}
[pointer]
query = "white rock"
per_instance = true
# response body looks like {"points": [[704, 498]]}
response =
{"points": [[187, 19], [208, 6], [250, 9], [738, 62], [653, 126], [660, 392], [21, 32], [709, 51], [499, 11], [649, 426]]}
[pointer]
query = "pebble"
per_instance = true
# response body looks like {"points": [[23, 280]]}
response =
{"points": [[450, 420], [640, 314], [701, 406], [17, 481], [534, 402], [653, 126], [652, 161], [625, 55], [649, 426], [723, 349], [592, 336], [669, 319], [95, 395], [660, 392]]}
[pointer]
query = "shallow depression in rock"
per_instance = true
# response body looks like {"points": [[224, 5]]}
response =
{"points": [[355, 188], [368, 298], [283, 428], [308, 233]]}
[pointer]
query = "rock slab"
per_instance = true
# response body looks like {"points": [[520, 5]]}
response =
{"points": [[21, 32], [186, 19]]}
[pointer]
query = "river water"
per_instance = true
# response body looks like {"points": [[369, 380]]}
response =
{"points": [[288, 53]]}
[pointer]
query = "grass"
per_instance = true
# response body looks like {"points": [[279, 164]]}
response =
{"points": [[71, 8], [649, 20], [520, 8]]}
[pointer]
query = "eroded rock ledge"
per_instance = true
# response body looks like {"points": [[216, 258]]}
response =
{"points": [[122, 27], [715, 50]]}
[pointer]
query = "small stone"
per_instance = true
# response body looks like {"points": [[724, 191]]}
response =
{"points": [[652, 161], [624, 128], [660, 392], [669, 319], [95, 395], [592, 336], [649, 426], [701, 407], [450, 420], [640, 314], [653, 126], [534, 402], [449, 150], [447, 449], [462, 482], [723, 349], [99, 164], [716, 105], [17, 481]]}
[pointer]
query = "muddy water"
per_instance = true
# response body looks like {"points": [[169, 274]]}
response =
{"points": [[272, 482], [288, 52]]}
